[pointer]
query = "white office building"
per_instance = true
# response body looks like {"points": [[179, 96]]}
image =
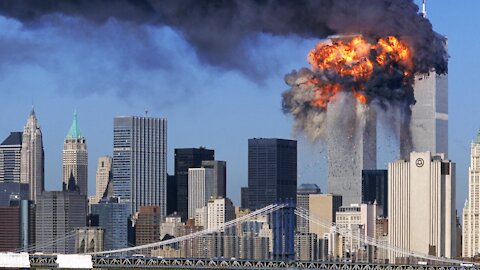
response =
{"points": [[471, 210], [200, 188], [421, 205]]}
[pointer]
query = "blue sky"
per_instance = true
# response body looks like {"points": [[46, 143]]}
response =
{"points": [[101, 71]]}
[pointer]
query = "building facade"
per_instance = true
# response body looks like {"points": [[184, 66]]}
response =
{"points": [[75, 160], [303, 201], [147, 225], [10, 158], [471, 210], [17, 226], [350, 150], [219, 176], [103, 177], [219, 211], [58, 214], [375, 188], [428, 124], [186, 158], [200, 188], [33, 157], [113, 217], [140, 161], [421, 201], [323, 207], [272, 171]]}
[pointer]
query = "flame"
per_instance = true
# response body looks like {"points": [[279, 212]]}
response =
{"points": [[355, 61]]}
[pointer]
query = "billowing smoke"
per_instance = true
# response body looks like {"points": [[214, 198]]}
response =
{"points": [[218, 29]]}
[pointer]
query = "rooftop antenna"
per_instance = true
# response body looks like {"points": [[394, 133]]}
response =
{"points": [[424, 9], [146, 112]]}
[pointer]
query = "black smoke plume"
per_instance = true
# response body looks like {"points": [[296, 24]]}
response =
{"points": [[218, 28]]}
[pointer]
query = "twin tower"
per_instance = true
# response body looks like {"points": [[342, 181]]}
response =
{"points": [[350, 152]]}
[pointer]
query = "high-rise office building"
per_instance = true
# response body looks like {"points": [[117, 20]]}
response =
{"points": [[471, 210], [200, 188], [33, 157], [375, 188], [17, 225], [171, 194], [75, 160], [10, 158], [244, 197], [113, 217], [10, 191], [140, 161], [103, 178], [350, 150], [323, 207], [219, 211], [429, 119], [186, 158], [58, 213], [219, 176], [303, 201], [421, 202], [272, 171], [147, 225]]}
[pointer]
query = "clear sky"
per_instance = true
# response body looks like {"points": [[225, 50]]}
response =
{"points": [[116, 68]]}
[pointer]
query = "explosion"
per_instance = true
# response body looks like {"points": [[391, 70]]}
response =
{"points": [[379, 71], [352, 63]]}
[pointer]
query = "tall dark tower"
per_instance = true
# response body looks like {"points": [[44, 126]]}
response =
{"points": [[272, 171], [187, 158]]}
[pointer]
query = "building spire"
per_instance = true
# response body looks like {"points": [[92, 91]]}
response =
{"points": [[424, 9], [74, 131], [32, 112]]}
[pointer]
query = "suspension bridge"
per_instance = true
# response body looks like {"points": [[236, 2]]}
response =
{"points": [[133, 257]]}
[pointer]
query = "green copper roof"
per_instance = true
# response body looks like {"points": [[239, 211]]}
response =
{"points": [[74, 132], [478, 136]]}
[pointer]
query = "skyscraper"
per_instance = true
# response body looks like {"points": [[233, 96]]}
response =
{"points": [[375, 188], [103, 178], [32, 167], [140, 161], [272, 171], [351, 149], [58, 213], [113, 217], [219, 176], [10, 158], [186, 158], [200, 188], [75, 160], [429, 119], [303, 201], [471, 210], [421, 205]]}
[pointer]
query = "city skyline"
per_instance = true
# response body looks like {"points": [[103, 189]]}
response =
{"points": [[180, 109]]}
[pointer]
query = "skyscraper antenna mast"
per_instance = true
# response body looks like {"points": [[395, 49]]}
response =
{"points": [[424, 8]]}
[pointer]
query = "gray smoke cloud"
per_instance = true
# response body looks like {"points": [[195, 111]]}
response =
{"points": [[218, 29]]}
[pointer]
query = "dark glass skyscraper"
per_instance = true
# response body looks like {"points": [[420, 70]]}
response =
{"points": [[375, 188], [272, 171], [10, 158], [187, 158]]}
